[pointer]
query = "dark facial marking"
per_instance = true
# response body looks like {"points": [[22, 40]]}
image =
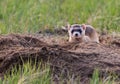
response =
{"points": [[76, 30]]}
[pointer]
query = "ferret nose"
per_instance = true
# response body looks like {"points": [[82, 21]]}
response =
{"points": [[76, 34]]}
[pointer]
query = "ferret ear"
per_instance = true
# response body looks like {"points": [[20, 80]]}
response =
{"points": [[84, 26], [67, 27]]}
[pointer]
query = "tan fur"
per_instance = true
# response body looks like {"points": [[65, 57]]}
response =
{"points": [[91, 33]]}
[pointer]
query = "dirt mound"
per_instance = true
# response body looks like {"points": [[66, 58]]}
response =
{"points": [[73, 59], [55, 31]]}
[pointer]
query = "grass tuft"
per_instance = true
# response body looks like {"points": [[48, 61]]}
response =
{"points": [[28, 74]]}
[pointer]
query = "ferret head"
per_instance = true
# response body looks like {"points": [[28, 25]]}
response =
{"points": [[76, 30]]}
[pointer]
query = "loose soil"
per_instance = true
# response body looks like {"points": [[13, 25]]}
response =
{"points": [[67, 59]]}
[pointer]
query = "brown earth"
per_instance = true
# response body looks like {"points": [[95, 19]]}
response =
{"points": [[73, 59]]}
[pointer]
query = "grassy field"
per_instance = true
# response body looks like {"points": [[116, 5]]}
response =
{"points": [[29, 74], [26, 16]]}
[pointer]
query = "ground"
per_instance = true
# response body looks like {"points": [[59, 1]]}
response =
{"points": [[73, 59]]}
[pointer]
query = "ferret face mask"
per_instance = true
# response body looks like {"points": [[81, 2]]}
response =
{"points": [[77, 31]]}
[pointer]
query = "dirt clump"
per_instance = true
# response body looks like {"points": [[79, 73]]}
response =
{"points": [[73, 59]]}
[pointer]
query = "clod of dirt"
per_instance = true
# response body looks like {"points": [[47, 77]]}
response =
{"points": [[116, 42], [73, 59]]}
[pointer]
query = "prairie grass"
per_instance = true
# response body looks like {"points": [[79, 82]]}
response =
{"points": [[26, 16], [96, 79], [30, 74]]}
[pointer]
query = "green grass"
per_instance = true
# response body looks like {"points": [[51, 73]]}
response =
{"points": [[29, 74], [25, 16], [97, 80]]}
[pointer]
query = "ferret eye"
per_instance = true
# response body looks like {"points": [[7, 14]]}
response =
{"points": [[72, 31], [80, 30]]}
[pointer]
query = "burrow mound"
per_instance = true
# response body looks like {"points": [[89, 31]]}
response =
{"points": [[73, 59]]}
